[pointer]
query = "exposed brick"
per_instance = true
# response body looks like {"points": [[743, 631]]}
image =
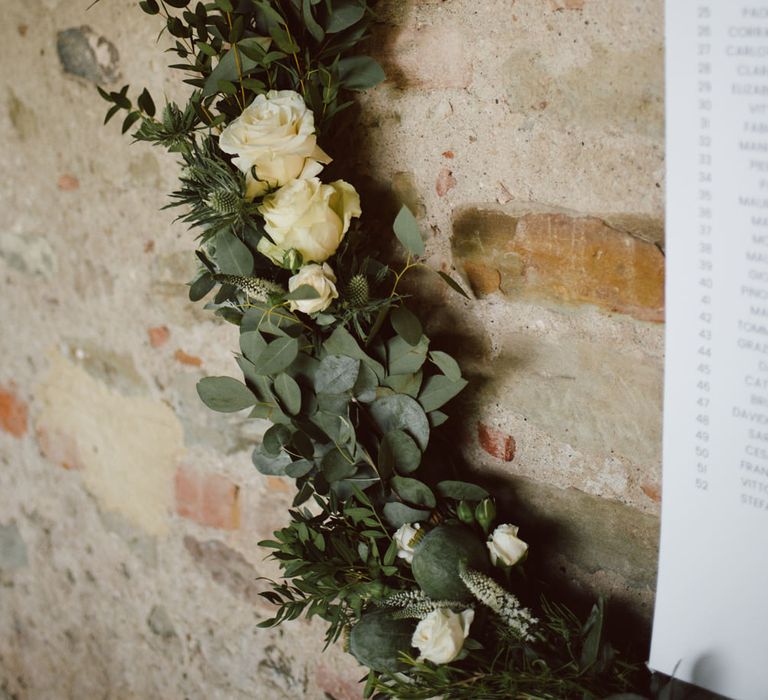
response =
{"points": [[653, 491], [13, 413], [185, 359], [208, 499], [59, 448], [483, 279], [449, 154], [445, 182], [335, 685], [68, 183], [496, 443], [430, 57], [579, 260], [158, 336], [275, 483]]}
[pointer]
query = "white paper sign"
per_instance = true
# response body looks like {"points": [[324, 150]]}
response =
{"points": [[711, 618]]}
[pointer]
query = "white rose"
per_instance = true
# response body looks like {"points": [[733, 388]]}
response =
{"points": [[275, 137], [321, 279], [440, 635], [403, 537], [505, 547], [309, 217]]}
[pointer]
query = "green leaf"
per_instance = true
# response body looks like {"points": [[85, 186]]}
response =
{"points": [[276, 437], [437, 418], [404, 358], [201, 286], [226, 69], [399, 452], [455, 286], [360, 73], [336, 374], [130, 120], [592, 634], [446, 364], [461, 491], [273, 320], [345, 14], [231, 255], [289, 393], [150, 7], [407, 231], [337, 465], [438, 390], [225, 394], [341, 342], [251, 344], [146, 103], [400, 412], [224, 5], [280, 353], [305, 291], [309, 21], [407, 325], [366, 384], [414, 491], [398, 514], [299, 468], [269, 464], [405, 383]]}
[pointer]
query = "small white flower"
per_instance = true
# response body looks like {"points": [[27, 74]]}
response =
{"points": [[403, 537], [440, 635], [308, 216], [275, 138], [320, 278], [505, 547]]}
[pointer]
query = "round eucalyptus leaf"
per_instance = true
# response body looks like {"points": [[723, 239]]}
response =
{"points": [[299, 468], [289, 393], [398, 514], [399, 452], [461, 491], [337, 465], [406, 325], [414, 491], [269, 464], [438, 390], [225, 394], [336, 374], [276, 438], [400, 412]]}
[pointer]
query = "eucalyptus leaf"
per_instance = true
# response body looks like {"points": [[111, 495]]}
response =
{"points": [[337, 465], [406, 324], [438, 390], [335, 404], [303, 292], [201, 286], [231, 254], [453, 284], [336, 374], [399, 452], [300, 468], [225, 394], [405, 383], [437, 418], [288, 392], [404, 358], [398, 514], [366, 384], [276, 437], [360, 73], [400, 412], [446, 364], [280, 353], [414, 491], [268, 464], [362, 479], [341, 342], [408, 233], [461, 491], [252, 343]]}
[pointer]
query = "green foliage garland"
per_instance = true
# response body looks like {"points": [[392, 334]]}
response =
{"points": [[331, 354]]}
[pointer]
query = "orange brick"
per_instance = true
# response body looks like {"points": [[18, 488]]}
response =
{"points": [[68, 183], [158, 336], [185, 359], [208, 499], [445, 182], [496, 443], [13, 413], [653, 491]]}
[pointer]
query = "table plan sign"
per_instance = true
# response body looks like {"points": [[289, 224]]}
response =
{"points": [[711, 617]]}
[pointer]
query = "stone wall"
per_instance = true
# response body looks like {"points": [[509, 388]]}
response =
{"points": [[527, 135]]}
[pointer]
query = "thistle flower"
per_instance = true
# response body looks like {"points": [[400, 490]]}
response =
{"points": [[224, 201], [357, 292], [504, 604]]}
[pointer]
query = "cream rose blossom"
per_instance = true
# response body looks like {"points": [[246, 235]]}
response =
{"points": [[403, 537], [275, 138], [322, 279], [440, 636], [505, 547], [309, 217]]}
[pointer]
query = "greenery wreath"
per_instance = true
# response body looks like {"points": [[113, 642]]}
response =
{"points": [[408, 564]]}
